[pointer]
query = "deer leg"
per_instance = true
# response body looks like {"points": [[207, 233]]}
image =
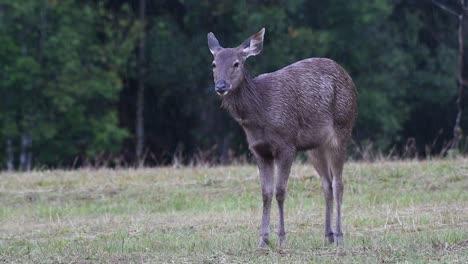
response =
{"points": [[328, 194], [337, 185], [320, 164], [266, 169], [284, 163]]}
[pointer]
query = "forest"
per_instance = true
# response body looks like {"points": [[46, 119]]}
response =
{"points": [[124, 83]]}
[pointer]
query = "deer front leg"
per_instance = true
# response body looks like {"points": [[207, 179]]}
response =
{"points": [[266, 169], [284, 163]]}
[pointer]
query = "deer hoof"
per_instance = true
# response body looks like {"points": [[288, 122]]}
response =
{"points": [[282, 242], [263, 243], [338, 239], [329, 238]]}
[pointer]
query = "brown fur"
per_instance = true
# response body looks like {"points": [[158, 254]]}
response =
{"points": [[308, 105]]}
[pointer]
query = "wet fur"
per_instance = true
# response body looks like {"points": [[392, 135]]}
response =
{"points": [[308, 105]]}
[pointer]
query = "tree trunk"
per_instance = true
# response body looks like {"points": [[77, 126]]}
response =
{"points": [[457, 130], [139, 126], [225, 155], [10, 155], [29, 154], [25, 154]]}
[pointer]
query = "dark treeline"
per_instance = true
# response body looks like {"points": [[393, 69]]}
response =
{"points": [[71, 72]]}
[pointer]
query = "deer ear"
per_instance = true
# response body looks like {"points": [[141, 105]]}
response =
{"points": [[213, 43], [253, 45]]}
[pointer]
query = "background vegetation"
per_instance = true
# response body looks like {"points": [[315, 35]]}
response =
{"points": [[71, 73]]}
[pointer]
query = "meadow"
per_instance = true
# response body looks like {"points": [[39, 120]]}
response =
{"points": [[399, 211]]}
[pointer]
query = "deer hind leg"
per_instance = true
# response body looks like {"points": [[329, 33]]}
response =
{"points": [[337, 163], [320, 163]]}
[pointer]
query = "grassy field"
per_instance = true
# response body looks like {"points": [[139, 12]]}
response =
{"points": [[414, 212]]}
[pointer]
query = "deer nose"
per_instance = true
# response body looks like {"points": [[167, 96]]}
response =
{"points": [[220, 86]]}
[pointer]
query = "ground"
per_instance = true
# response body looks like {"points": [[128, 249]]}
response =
{"points": [[403, 211]]}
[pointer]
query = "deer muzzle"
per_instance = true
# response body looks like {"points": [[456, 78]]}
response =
{"points": [[222, 87]]}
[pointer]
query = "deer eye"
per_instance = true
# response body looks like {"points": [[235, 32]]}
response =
{"points": [[213, 65], [236, 64]]}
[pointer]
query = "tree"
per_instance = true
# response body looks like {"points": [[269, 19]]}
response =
{"points": [[62, 93], [140, 121], [461, 15]]}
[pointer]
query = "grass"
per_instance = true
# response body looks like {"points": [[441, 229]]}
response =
{"points": [[414, 212]]}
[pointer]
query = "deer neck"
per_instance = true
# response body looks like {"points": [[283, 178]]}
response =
{"points": [[245, 103]]}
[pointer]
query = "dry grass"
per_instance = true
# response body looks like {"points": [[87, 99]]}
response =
{"points": [[393, 212]]}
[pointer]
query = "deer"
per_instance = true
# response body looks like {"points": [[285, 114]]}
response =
{"points": [[307, 106]]}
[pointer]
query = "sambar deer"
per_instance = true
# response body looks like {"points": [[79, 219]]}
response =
{"points": [[308, 105]]}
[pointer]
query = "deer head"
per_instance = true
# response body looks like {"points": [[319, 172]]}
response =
{"points": [[228, 63]]}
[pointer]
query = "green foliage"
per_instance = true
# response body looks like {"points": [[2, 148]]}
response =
{"points": [[62, 66], [69, 76]]}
